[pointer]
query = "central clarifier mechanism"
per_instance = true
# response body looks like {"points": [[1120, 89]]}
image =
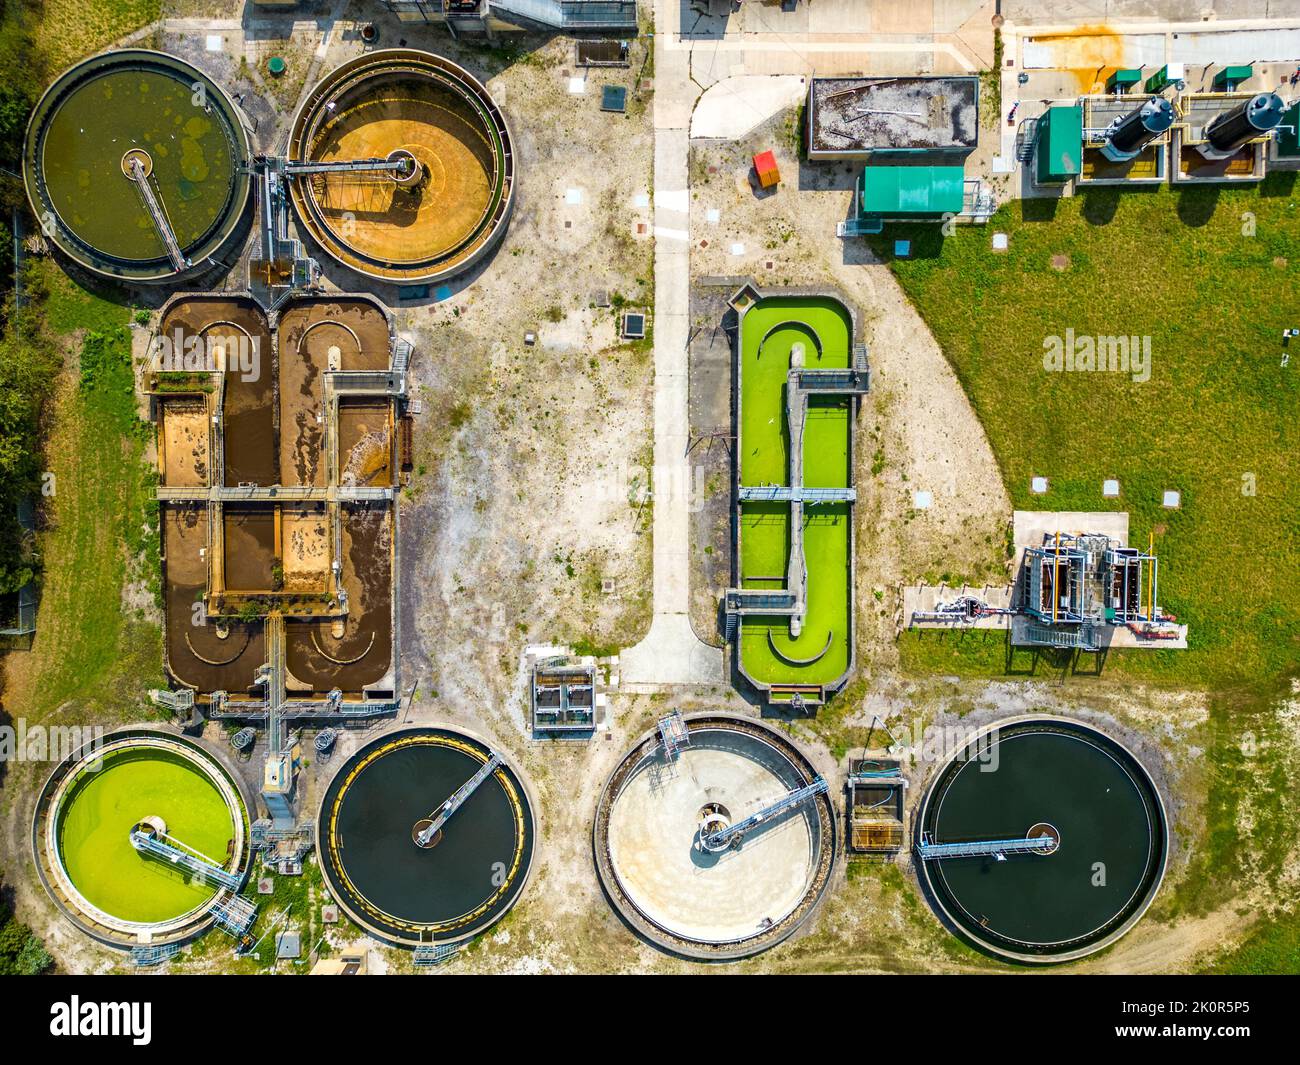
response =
{"points": [[463, 872], [1044, 840], [715, 837]]}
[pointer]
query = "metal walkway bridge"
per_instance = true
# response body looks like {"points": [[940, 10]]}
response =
{"points": [[157, 214], [775, 493], [998, 848], [172, 850], [220, 493], [296, 167], [1086, 637], [733, 834], [442, 815]]}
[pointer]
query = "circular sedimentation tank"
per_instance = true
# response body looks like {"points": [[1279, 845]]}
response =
{"points": [[655, 813], [1080, 790], [189, 138], [88, 810], [430, 109], [406, 893]]}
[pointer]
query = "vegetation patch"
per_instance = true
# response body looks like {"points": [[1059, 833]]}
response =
{"points": [[1193, 273], [101, 518]]}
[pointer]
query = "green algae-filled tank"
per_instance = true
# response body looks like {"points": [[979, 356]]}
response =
{"points": [[102, 793]]}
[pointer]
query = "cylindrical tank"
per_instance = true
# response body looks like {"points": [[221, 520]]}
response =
{"points": [[441, 215], [1130, 133], [188, 137], [1244, 122]]}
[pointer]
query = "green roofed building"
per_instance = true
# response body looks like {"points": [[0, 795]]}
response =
{"points": [[910, 193], [1058, 145]]}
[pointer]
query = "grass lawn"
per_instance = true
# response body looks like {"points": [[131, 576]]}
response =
{"points": [[68, 30], [1206, 275], [1272, 948], [87, 647]]}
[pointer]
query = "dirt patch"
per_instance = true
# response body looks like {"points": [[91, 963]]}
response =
{"points": [[185, 443], [521, 502], [306, 540]]}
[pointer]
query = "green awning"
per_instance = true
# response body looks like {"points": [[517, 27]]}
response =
{"points": [[893, 191], [1059, 144], [1230, 77]]}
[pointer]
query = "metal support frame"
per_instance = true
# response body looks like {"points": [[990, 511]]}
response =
{"points": [[927, 850], [733, 834], [444, 812]]}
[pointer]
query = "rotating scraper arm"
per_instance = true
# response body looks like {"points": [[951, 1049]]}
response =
{"points": [[444, 812]]}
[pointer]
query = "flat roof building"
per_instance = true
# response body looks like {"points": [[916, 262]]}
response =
{"points": [[911, 192], [860, 118]]}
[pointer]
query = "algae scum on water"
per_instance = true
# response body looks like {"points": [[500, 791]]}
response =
{"points": [[103, 806], [193, 170], [772, 329]]}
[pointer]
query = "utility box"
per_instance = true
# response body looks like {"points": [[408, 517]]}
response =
{"points": [[766, 169], [1058, 145]]}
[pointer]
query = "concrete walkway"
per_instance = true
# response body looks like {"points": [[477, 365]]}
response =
{"points": [[671, 653], [733, 107]]}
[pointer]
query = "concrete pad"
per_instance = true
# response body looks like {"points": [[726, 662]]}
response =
{"points": [[671, 653], [926, 598], [1088, 52], [733, 107], [1030, 526], [1226, 48]]}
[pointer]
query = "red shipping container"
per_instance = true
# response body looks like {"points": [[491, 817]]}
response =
{"points": [[766, 169]]}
